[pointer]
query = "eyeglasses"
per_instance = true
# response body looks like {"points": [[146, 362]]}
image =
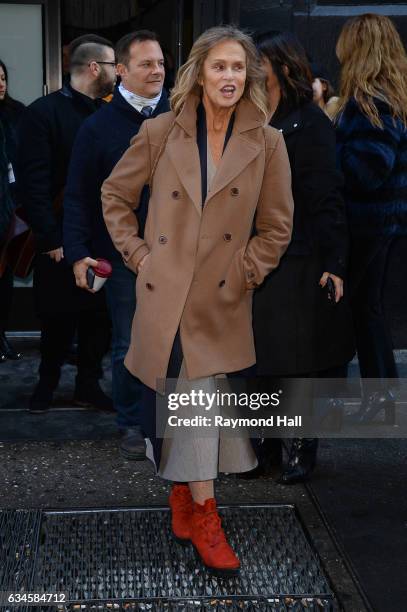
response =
{"points": [[89, 63], [109, 63]]}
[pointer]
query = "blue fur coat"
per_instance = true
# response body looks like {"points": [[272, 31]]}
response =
{"points": [[374, 164]]}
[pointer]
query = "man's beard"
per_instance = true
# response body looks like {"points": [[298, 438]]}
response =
{"points": [[104, 85]]}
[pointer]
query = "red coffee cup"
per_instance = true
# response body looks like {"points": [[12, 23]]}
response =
{"points": [[98, 275]]}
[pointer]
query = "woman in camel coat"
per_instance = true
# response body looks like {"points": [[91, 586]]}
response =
{"points": [[215, 170], [201, 268]]}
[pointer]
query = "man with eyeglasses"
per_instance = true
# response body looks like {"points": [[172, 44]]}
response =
{"points": [[101, 141], [47, 133]]}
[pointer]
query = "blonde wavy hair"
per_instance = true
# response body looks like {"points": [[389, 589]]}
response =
{"points": [[374, 65], [189, 74]]}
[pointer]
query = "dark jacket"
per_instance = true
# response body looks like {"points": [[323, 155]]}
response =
{"points": [[319, 214], [47, 132], [374, 165], [101, 142], [10, 114], [297, 329], [6, 201]]}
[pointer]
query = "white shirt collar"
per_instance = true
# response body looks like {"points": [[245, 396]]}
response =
{"points": [[136, 101]]}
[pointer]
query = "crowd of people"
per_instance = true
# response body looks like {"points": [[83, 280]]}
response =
{"points": [[248, 215]]}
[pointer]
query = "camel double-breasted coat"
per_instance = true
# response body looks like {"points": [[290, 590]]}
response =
{"points": [[203, 259]]}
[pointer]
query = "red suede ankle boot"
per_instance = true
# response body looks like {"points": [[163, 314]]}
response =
{"points": [[210, 542], [180, 502]]}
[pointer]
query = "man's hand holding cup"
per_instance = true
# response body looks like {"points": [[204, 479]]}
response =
{"points": [[91, 274]]}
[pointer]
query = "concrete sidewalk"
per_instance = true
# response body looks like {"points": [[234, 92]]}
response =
{"points": [[355, 509], [93, 475]]}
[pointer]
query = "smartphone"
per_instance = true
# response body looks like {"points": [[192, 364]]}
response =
{"points": [[330, 287], [90, 277]]}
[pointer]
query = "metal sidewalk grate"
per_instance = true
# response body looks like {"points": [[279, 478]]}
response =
{"points": [[127, 560], [18, 544]]}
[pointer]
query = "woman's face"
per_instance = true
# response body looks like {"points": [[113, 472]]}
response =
{"points": [[3, 84], [318, 88], [224, 74], [272, 82]]}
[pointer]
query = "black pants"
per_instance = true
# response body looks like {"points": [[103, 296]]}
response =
{"points": [[373, 339], [57, 333], [64, 309], [6, 294]]}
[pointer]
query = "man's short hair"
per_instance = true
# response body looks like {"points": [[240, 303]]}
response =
{"points": [[84, 49], [124, 44]]}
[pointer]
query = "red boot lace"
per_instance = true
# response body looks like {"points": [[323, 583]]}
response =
{"points": [[213, 529]]}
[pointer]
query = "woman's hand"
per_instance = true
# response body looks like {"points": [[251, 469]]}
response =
{"points": [[337, 281], [142, 262]]}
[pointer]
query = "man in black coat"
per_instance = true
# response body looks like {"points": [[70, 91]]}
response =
{"points": [[101, 142], [46, 135]]}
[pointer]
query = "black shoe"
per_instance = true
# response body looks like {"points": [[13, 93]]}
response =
{"points": [[6, 350], [41, 399], [329, 414], [132, 445], [270, 456], [91, 395], [372, 405], [301, 461]]}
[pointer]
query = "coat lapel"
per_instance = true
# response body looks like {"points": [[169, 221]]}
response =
{"points": [[240, 150], [289, 123], [184, 154], [185, 157]]}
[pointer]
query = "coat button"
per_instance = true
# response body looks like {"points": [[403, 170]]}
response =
{"points": [[234, 191], [222, 283], [227, 237], [126, 253], [149, 286], [163, 239], [250, 275], [176, 195]]}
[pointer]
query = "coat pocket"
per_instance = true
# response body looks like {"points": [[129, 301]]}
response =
{"points": [[141, 276], [236, 278]]}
